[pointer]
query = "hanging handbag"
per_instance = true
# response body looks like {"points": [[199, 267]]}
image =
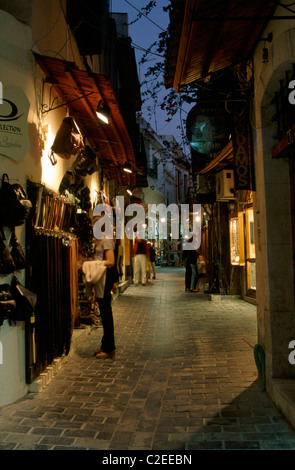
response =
{"points": [[25, 302], [16, 252], [67, 182], [68, 140], [7, 303], [85, 163], [7, 265], [84, 196], [14, 203]]}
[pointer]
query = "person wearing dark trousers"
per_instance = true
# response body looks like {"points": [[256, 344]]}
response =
{"points": [[105, 307], [153, 260], [104, 251], [188, 269], [193, 260]]}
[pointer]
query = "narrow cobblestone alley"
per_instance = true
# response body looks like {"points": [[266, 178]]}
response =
{"points": [[184, 378]]}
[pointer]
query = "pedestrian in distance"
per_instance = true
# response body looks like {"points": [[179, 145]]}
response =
{"points": [[153, 260], [188, 269], [201, 272], [193, 261], [141, 256]]}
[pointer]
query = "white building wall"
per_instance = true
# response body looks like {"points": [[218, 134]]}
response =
{"points": [[275, 283], [18, 69]]}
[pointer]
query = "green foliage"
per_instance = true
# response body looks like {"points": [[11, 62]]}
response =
{"points": [[153, 91]]}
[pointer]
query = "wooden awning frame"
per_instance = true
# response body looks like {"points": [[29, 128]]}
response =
{"points": [[206, 37], [81, 91], [223, 159]]}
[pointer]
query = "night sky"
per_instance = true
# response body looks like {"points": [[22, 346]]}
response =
{"points": [[144, 33]]}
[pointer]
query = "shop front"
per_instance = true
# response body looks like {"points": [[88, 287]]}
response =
{"points": [[242, 246], [63, 188], [19, 157], [268, 74], [274, 207], [228, 225]]}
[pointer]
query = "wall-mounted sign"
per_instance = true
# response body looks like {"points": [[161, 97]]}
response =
{"points": [[242, 146], [206, 129], [14, 108]]}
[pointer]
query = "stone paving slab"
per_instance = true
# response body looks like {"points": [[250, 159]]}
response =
{"points": [[184, 379]]}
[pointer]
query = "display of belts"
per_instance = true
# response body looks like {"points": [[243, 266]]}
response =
{"points": [[52, 252]]}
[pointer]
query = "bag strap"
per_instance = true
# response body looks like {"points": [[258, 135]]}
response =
{"points": [[3, 177]]}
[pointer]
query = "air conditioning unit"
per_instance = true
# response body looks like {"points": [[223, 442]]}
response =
{"points": [[225, 187]]}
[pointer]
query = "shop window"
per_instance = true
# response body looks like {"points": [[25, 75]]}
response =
{"points": [[237, 240], [250, 252], [251, 276], [234, 241]]}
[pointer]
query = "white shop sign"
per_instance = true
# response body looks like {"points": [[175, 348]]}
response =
{"points": [[14, 108]]}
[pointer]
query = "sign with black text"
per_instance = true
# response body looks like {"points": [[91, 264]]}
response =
{"points": [[242, 147], [14, 108]]}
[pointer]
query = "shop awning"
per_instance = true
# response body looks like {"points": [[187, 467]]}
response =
{"points": [[205, 37], [223, 160], [81, 91]]}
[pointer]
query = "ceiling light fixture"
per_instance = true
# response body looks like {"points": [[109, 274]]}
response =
{"points": [[127, 167], [103, 112]]}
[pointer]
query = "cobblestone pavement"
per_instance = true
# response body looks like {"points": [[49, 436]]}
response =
{"points": [[184, 378]]}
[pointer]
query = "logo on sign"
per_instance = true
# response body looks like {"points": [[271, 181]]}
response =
{"points": [[14, 108], [12, 114]]}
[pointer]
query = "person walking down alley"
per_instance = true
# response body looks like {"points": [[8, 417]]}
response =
{"points": [[193, 261], [141, 255]]}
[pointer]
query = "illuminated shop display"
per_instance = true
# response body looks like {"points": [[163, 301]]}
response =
{"points": [[250, 251], [242, 246]]}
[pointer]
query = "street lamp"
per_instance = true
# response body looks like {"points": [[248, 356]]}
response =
{"points": [[103, 112], [127, 167]]}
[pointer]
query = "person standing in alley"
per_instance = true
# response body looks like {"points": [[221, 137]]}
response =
{"points": [[104, 251], [193, 261], [141, 255], [188, 269], [153, 260], [201, 272]]}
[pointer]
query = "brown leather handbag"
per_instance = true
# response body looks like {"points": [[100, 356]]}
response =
{"points": [[68, 141]]}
